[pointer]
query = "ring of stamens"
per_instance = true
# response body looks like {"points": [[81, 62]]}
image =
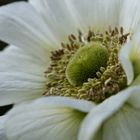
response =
{"points": [[108, 81]]}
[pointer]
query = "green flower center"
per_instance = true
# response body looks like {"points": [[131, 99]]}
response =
{"points": [[87, 67], [86, 62]]}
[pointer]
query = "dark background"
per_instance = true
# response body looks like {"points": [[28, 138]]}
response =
{"points": [[2, 46]]}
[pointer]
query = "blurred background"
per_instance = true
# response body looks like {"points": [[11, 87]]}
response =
{"points": [[2, 46]]}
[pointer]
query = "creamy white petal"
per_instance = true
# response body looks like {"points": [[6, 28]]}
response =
{"points": [[129, 15], [124, 57], [16, 60], [134, 99], [130, 58], [135, 52], [2, 134], [48, 118], [136, 81], [21, 25], [21, 76], [92, 125], [97, 14], [123, 125], [57, 17]]}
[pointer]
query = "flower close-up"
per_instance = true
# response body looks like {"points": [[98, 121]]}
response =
{"points": [[71, 70]]}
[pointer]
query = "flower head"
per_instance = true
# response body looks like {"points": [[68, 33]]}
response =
{"points": [[72, 69]]}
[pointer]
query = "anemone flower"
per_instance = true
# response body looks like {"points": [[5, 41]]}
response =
{"points": [[72, 70]]}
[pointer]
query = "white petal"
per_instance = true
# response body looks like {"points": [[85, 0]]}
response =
{"points": [[15, 59], [2, 134], [135, 51], [129, 15], [134, 99], [48, 118], [124, 57], [57, 17], [91, 126], [123, 125], [136, 81], [130, 58], [21, 76], [95, 14], [22, 26]]}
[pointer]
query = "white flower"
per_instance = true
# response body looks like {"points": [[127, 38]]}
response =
{"points": [[35, 29], [2, 134]]}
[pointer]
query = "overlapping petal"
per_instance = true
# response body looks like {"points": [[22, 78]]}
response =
{"points": [[123, 125], [2, 121], [48, 118], [130, 58], [57, 17], [22, 26], [124, 58], [96, 14], [92, 127], [21, 76]]}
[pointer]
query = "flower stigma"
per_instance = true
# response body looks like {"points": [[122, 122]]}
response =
{"points": [[87, 67], [86, 62]]}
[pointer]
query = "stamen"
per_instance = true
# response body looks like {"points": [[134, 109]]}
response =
{"points": [[104, 82]]}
